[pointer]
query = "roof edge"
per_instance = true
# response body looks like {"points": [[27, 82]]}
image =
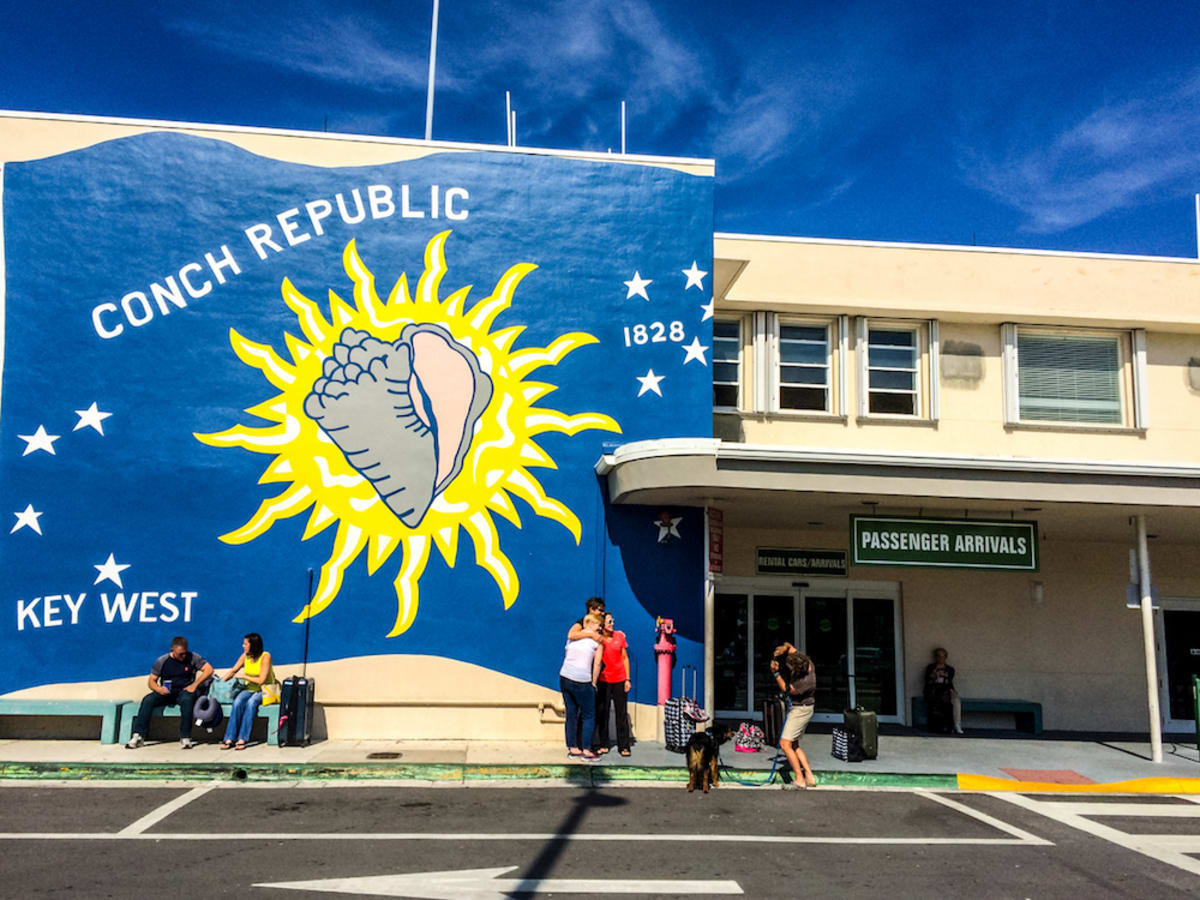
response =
{"points": [[592, 155], [954, 248]]}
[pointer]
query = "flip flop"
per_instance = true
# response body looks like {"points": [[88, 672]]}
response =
{"points": [[240, 745], [226, 745], [588, 755], [625, 753]]}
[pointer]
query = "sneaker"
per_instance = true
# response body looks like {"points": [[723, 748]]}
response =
{"points": [[134, 742], [186, 743]]}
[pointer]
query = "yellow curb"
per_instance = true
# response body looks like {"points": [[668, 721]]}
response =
{"points": [[1134, 786]]}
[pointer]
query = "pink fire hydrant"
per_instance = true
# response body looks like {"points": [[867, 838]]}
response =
{"points": [[664, 649]]}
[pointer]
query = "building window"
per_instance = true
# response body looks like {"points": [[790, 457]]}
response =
{"points": [[1069, 378], [1075, 378], [804, 367], [893, 371], [727, 355]]}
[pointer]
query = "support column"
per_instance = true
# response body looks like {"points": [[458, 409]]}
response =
{"points": [[710, 621], [1143, 551]]}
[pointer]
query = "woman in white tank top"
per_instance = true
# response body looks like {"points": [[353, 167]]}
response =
{"points": [[577, 678]]}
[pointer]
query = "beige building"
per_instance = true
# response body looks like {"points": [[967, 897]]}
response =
{"points": [[973, 387]]}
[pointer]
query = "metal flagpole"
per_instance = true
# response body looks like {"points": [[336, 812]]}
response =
{"points": [[432, 67], [1156, 753], [507, 119], [622, 127]]}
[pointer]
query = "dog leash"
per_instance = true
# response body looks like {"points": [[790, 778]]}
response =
{"points": [[725, 772]]}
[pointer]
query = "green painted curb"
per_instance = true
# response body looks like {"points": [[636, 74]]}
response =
{"points": [[583, 775]]}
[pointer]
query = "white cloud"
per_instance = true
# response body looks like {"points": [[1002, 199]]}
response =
{"points": [[1117, 156], [569, 66], [306, 39]]}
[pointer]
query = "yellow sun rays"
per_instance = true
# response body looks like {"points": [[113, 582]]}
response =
{"points": [[496, 469]]}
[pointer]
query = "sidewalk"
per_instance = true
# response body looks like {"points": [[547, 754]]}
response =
{"points": [[973, 762]]}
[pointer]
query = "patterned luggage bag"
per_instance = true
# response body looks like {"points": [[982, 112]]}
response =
{"points": [[680, 714]]}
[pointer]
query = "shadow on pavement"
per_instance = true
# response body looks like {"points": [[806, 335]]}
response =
{"points": [[543, 865]]}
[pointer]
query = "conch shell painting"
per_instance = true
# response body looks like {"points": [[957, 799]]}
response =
{"points": [[403, 412]]}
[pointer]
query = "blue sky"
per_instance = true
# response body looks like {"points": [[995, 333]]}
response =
{"points": [[1053, 125]]}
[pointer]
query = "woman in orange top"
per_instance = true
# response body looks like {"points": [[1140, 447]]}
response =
{"points": [[613, 689]]}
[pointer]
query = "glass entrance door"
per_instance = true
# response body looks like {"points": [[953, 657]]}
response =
{"points": [[852, 642], [1179, 650], [851, 631], [825, 640]]}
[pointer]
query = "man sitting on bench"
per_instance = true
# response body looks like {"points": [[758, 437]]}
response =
{"points": [[174, 679]]}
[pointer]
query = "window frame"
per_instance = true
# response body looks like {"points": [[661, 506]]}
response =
{"points": [[926, 394], [834, 363], [740, 385], [1131, 377]]}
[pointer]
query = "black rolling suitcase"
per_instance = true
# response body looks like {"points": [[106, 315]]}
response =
{"points": [[774, 711], [296, 711], [865, 725]]}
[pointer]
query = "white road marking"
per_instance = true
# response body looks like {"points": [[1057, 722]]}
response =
{"points": [[1157, 810], [155, 816], [1025, 836], [546, 836], [1166, 848], [485, 884]]}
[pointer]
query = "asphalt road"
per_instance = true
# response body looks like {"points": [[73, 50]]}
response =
{"points": [[232, 840]]}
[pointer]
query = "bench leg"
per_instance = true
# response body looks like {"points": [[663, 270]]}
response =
{"points": [[273, 725], [108, 726], [128, 714]]}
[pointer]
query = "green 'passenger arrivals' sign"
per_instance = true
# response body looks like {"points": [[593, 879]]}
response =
{"points": [[944, 543]]}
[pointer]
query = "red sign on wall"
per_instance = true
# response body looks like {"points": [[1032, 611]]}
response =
{"points": [[716, 541]]}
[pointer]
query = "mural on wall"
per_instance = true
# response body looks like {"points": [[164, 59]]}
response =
{"points": [[221, 370], [408, 421]]}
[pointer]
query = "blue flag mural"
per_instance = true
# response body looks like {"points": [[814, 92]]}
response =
{"points": [[222, 370]]}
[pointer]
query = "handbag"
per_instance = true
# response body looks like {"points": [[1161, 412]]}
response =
{"points": [[225, 691], [846, 746], [270, 693]]}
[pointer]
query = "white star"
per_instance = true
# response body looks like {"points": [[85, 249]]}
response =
{"points": [[637, 285], [695, 350], [668, 528], [695, 277], [28, 517], [110, 570], [707, 307], [650, 382], [90, 417], [39, 440]]}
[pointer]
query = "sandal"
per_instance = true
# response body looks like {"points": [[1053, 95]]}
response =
{"points": [[601, 750], [574, 753], [590, 756], [226, 745], [240, 745], [625, 753]]}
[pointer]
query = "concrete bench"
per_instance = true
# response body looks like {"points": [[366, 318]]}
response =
{"points": [[1028, 714], [109, 711], [130, 711]]}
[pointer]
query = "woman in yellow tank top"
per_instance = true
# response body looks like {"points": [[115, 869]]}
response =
{"points": [[259, 677]]}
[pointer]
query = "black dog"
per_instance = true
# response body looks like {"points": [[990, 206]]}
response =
{"points": [[703, 757]]}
